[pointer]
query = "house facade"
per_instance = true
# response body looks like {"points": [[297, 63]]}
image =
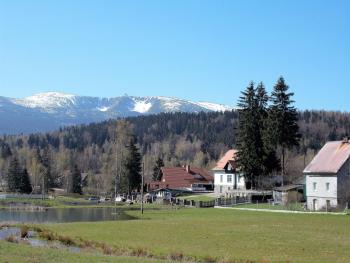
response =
{"points": [[185, 178], [227, 178], [327, 176]]}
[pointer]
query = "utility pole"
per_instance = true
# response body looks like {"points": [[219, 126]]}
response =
{"points": [[143, 170], [116, 179]]}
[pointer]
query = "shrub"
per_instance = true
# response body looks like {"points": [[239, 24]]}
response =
{"points": [[24, 231], [11, 239]]}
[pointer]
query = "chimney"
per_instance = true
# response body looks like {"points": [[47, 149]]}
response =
{"points": [[188, 168]]}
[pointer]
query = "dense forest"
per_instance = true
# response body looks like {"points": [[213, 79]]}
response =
{"points": [[198, 139]]}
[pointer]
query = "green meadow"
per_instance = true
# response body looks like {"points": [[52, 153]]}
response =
{"points": [[223, 235]]}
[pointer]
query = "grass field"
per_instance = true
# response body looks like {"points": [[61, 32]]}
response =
{"points": [[225, 234], [294, 206], [60, 201], [197, 197], [14, 253]]}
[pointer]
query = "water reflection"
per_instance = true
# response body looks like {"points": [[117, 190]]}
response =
{"points": [[62, 215]]}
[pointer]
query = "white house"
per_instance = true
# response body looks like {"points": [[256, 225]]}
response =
{"points": [[226, 176], [328, 176]]}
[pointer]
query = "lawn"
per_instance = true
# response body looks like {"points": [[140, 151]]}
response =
{"points": [[14, 253], [197, 197], [294, 206], [60, 201], [225, 234]]}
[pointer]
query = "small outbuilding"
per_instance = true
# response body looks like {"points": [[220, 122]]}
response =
{"points": [[288, 194]]}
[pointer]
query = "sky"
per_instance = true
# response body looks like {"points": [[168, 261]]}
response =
{"points": [[197, 50]]}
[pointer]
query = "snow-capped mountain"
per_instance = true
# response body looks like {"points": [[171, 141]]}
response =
{"points": [[51, 110]]}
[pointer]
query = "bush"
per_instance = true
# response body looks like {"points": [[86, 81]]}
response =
{"points": [[24, 231]]}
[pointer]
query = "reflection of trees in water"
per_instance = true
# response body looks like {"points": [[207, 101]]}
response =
{"points": [[64, 215]]}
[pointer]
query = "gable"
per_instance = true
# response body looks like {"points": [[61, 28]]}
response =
{"points": [[329, 159]]}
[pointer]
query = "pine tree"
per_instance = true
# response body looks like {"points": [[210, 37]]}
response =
{"points": [[249, 141], [283, 118], [133, 167], [46, 162], [76, 180], [265, 149], [25, 186], [14, 175], [157, 171]]}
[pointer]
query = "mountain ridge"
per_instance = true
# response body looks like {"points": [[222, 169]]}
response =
{"points": [[48, 111]]}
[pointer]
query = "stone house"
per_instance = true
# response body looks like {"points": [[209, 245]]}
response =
{"points": [[327, 176]]}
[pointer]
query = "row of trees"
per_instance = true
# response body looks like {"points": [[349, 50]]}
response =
{"points": [[267, 128], [101, 150]]}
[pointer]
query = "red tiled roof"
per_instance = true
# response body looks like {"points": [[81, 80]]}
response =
{"points": [[330, 158], [178, 177], [230, 156]]}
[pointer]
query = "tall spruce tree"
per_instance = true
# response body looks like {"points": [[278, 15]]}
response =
{"points": [[133, 167], [14, 175], [266, 150], [76, 180], [249, 139], [157, 171], [46, 162], [25, 186], [283, 117]]}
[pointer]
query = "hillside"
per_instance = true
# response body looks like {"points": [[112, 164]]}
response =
{"points": [[48, 111], [195, 138]]}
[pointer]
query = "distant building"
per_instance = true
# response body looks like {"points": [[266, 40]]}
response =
{"points": [[287, 194], [328, 176], [186, 178], [227, 178]]}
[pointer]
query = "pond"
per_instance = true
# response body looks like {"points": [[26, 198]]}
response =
{"points": [[64, 215]]}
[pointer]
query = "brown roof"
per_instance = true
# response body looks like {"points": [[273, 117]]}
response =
{"points": [[330, 158], [229, 157], [287, 187], [178, 177]]}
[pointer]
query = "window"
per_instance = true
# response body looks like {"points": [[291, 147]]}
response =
{"points": [[327, 188], [221, 178], [220, 189], [229, 188], [229, 178], [314, 204], [314, 186]]}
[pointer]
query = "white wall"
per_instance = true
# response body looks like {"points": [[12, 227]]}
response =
{"points": [[227, 186], [321, 194]]}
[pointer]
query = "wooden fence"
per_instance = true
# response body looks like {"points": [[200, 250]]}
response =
{"points": [[217, 202]]}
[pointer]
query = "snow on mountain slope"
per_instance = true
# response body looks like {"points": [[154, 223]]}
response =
{"points": [[214, 106], [51, 110], [47, 100], [141, 106]]}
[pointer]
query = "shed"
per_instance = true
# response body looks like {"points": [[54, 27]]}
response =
{"points": [[288, 194]]}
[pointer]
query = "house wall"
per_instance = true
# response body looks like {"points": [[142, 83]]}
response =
{"points": [[223, 186], [344, 183], [321, 194]]}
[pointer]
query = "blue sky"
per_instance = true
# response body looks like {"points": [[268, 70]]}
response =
{"points": [[198, 50]]}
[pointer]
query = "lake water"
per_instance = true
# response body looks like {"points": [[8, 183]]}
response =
{"points": [[63, 215]]}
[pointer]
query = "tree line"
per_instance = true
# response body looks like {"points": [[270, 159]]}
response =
{"points": [[267, 125], [102, 155]]}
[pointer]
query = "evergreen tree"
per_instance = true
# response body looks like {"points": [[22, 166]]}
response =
{"points": [[25, 186], [76, 180], [14, 175], [46, 162], [133, 167], [157, 171], [265, 150], [283, 118], [249, 140]]}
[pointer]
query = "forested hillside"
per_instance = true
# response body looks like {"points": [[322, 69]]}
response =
{"points": [[179, 138]]}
